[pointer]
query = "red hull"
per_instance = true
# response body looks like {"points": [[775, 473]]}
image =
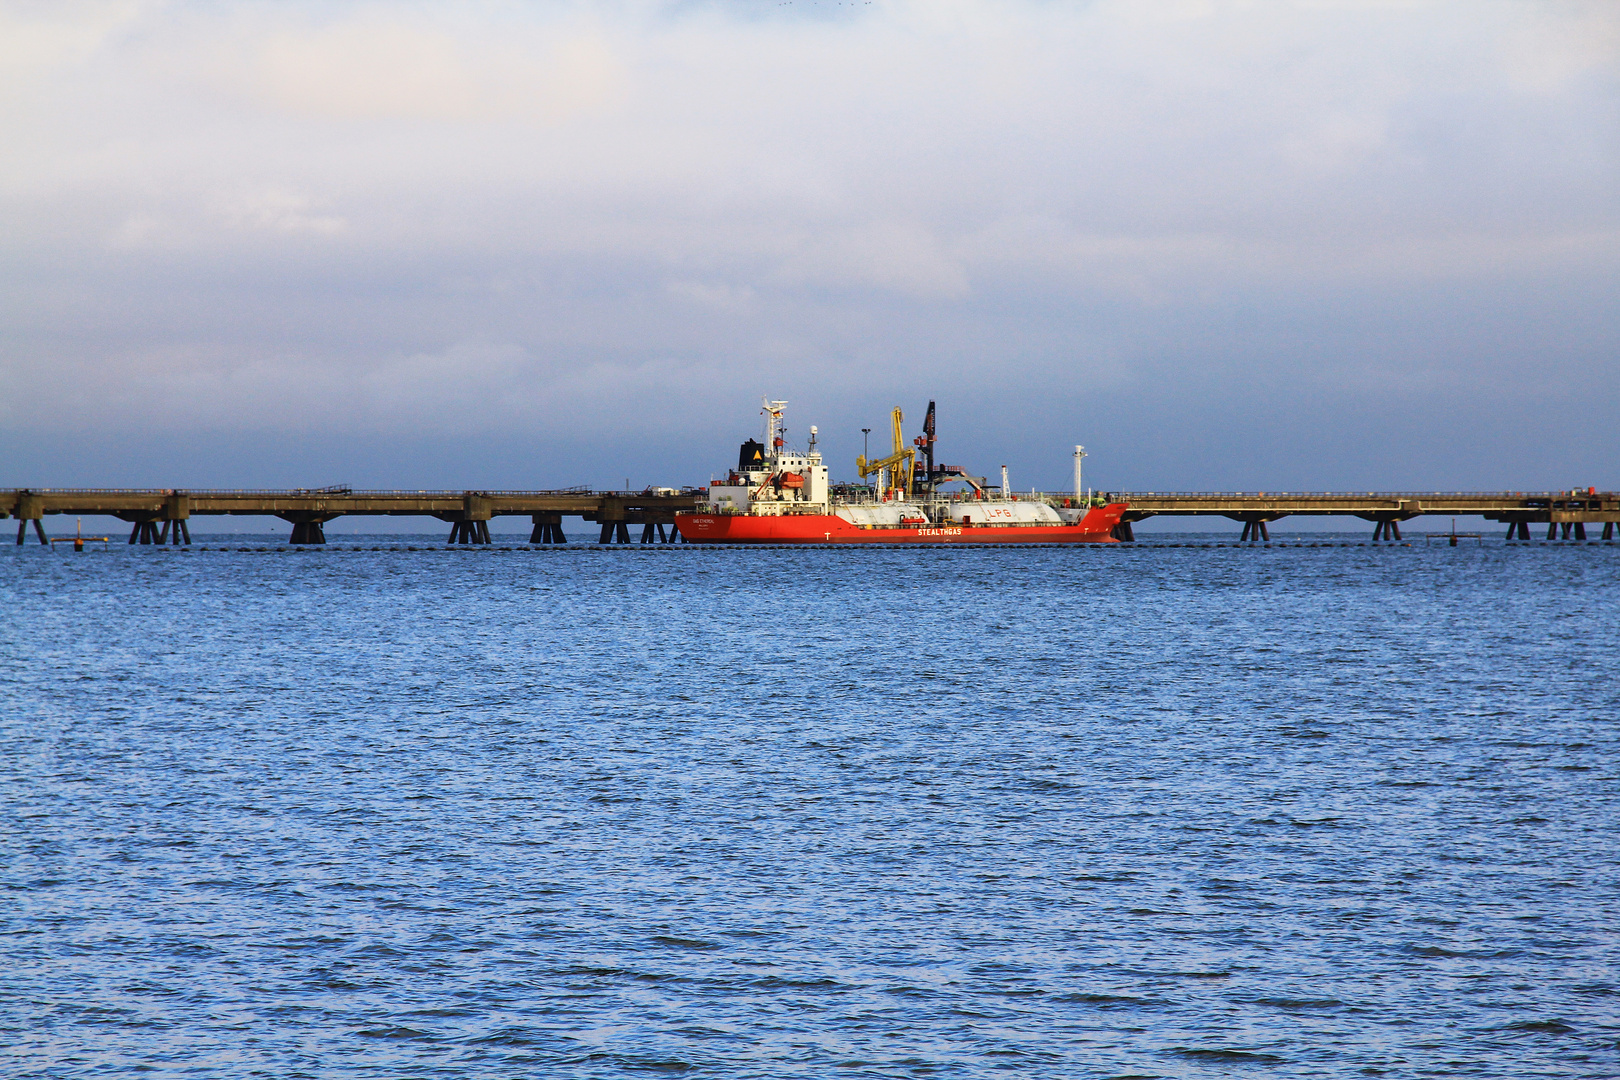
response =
{"points": [[1096, 527]]}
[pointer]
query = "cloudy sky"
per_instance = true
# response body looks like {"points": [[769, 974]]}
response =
{"points": [[1225, 245]]}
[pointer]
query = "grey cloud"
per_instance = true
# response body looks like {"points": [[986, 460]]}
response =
{"points": [[407, 221]]}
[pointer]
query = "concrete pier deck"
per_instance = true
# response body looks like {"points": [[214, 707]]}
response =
{"points": [[1569, 511], [162, 515]]}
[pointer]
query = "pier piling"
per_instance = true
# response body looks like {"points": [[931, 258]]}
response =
{"points": [[308, 532], [1256, 527], [469, 532], [547, 529]]}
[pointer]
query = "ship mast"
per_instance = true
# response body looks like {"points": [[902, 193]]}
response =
{"points": [[773, 430]]}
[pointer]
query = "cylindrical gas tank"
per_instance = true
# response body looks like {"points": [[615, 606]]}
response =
{"points": [[1004, 513]]}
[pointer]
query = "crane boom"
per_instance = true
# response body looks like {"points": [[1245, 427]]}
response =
{"points": [[900, 477]]}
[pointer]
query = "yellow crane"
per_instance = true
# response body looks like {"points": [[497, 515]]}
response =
{"points": [[899, 477]]}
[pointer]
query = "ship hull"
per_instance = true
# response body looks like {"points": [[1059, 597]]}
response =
{"points": [[1096, 527]]}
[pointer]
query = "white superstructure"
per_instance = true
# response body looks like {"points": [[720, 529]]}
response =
{"points": [[771, 478]]}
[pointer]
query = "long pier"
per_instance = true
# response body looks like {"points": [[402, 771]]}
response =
{"points": [[1569, 511], [162, 516]]}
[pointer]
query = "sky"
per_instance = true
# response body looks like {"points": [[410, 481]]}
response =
{"points": [[1225, 245]]}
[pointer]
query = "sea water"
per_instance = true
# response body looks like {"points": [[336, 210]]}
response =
{"points": [[1135, 810]]}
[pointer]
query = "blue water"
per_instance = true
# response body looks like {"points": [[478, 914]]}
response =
{"points": [[1144, 811]]}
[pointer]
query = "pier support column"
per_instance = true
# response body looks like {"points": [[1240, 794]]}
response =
{"points": [[1256, 526], [607, 533], [1254, 531], [469, 532], [647, 533], [675, 536], [181, 533], [623, 531], [159, 531], [1524, 531], [471, 525], [30, 508], [1608, 530], [176, 512], [1386, 529], [308, 532], [157, 526], [547, 529], [1124, 533], [1580, 530], [1552, 530], [308, 527]]}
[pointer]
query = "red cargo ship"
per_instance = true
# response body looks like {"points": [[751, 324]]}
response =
{"points": [[777, 495]]}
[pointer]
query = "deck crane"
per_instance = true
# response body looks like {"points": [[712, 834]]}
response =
{"points": [[900, 476], [925, 443]]}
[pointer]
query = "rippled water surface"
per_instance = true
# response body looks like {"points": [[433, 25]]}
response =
{"points": [[1152, 812]]}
